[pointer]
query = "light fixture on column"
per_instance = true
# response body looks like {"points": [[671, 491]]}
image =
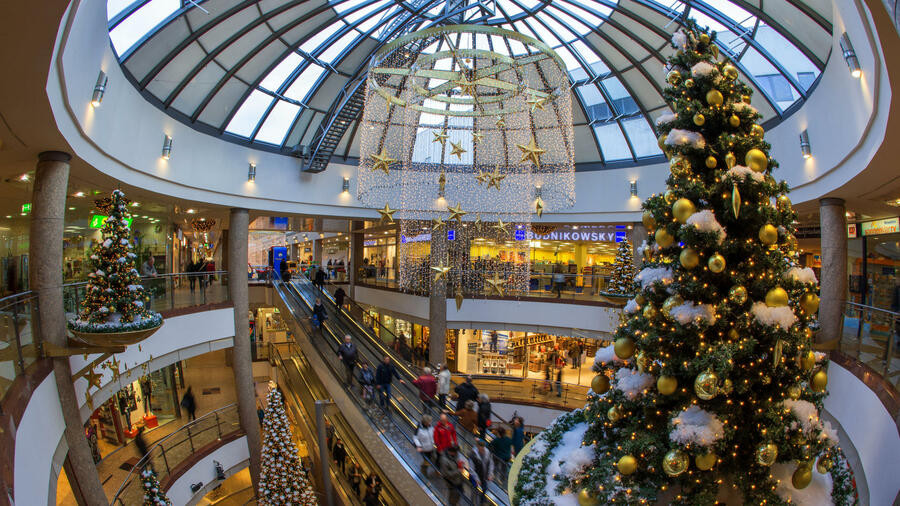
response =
{"points": [[251, 173], [850, 56], [804, 144], [538, 190], [345, 184], [167, 147], [99, 89], [634, 188]]}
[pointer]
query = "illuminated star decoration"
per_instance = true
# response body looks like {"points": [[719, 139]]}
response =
{"points": [[440, 136], [477, 137], [93, 378], [536, 102], [482, 176], [531, 152], [441, 271], [465, 86], [437, 223], [501, 227], [496, 284], [383, 161], [387, 214], [495, 178], [539, 207], [501, 123], [457, 150], [456, 213]]}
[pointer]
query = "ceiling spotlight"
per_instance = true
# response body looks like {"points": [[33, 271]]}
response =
{"points": [[251, 173], [634, 188], [804, 144], [99, 89], [24, 178], [167, 148], [191, 211], [135, 204], [850, 56], [345, 184], [71, 209], [78, 194]]}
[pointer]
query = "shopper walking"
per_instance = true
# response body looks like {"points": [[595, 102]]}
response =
{"points": [[424, 441], [443, 387], [518, 435], [367, 382], [494, 338], [483, 465], [189, 404], [339, 296], [484, 413], [140, 444], [384, 375], [318, 314], [444, 434], [339, 453], [320, 278], [348, 355], [501, 446], [465, 391], [427, 386], [467, 416], [451, 469], [559, 382]]}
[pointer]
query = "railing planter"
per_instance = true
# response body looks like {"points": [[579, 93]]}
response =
{"points": [[114, 338], [619, 299]]}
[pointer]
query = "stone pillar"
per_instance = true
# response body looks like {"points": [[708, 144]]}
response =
{"points": [[243, 364], [833, 277], [638, 236], [437, 301], [46, 276], [354, 262]]}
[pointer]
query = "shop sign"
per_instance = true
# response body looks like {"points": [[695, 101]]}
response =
{"points": [[851, 230], [370, 242], [97, 221], [520, 235], [451, 235], [877, 227], [416, 238], [577, 235]]}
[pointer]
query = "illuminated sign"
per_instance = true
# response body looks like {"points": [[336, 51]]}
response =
{"points": [[851, 230], [451, 235], [26, 207], [97, 221], [520, 235], [877, 227]]}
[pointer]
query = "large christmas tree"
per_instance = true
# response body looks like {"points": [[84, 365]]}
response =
{"points": [[282, 479], [623, 271], [114, 298], [712, 379], [153, 493]]}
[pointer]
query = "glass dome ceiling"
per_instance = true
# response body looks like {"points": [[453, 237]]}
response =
{"points": [[269, 73]]}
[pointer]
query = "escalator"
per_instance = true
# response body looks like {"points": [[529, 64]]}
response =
{"points": [[397, 425]]}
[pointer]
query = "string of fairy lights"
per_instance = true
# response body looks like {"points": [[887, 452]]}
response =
{"points": [[468, 143]]}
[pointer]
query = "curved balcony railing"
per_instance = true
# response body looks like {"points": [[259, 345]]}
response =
{"points": [[871, 336], [175, 451]]}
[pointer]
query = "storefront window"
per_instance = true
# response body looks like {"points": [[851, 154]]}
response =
{"points": [[380, 256], [873, 259]]}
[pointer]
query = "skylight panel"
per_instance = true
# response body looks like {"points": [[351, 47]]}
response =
{"points": [[557, 29], [543, 34], [586, 16], [529, 4], [612, 143], [787, 54], [276, 77], [499, 45], [588, 55], [114, 7], [575, 24], [277, 124], [248, 115], [141, 22], [334, 51], [509, 7], [304, 82], [642, 138], [735, 13], [321, 36], [481, 42]]}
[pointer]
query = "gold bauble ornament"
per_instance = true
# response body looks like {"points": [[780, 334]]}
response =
{"points": [[715, 51], [802, 477], [757, 130], [624, 348], [711, 162], [648, 220], [809, 303], [819, 381], [794, 392], [730, 72], [673, 77], [600, 384], [777, 297], [766, 454], [706, 461], [727, 386], [642, 362], [756, 160], [648, 254], [745, 99], [667, 385], [714, 97], [586, 499], [670, 196], [699, 119], [649, 312], [807, 360], [675, 462], [734, 120], [733, 334], [614, 414], [738, 294], [706, 385], [663, 238], [671, 302], [661, 142], [766, 379], [716, 263], [688, 83], [640, 299], [682, 209], [768, 234], [824, 464], [704, 39], [689, 258], [730, 160], [627, 465], [735, 200], [784, 202]]}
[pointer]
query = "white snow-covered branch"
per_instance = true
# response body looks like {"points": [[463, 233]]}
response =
{"points": [[698, 426], [705, 221], [781, 316]]}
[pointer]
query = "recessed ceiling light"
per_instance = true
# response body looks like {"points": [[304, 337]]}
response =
{"points": [[191, 211], [78, 194], [71, 209], [24, 177]]}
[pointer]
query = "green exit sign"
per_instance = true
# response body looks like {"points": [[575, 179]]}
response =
{"points": [[97, 221], [26, 207]]}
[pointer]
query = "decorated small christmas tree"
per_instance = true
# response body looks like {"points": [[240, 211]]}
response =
{"points": [[282, 479], [153, 493], [623, 271], [114, 298]]}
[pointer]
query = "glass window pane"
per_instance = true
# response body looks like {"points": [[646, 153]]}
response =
{"points": [[591, 58], [277, 123], [247, 116], [276, 77], [612, 142], [642, 138], [141, 22], [334, 51], [304, 82], [595, 106], [559, 30], [321, 36], [114, 7], [622, 101]]}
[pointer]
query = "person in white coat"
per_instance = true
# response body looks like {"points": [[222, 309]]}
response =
{"points": [[443, 387], [424, 441]]}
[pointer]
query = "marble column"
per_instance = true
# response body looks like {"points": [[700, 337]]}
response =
{"points": [[46, 278], [354, 263], [243, 363], [833, 277], [437, 302]]}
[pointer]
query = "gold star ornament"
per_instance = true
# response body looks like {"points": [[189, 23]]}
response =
{"points": [[441, 271], [536, 102], [437, 223], [495, 179], [93, 378], [457, 150], [501, 227], [440, 137], [465, 86], [383, 161], [387, 214], [531, 152], [501, 123], [496, 284], [477, 137], [456, 213], [482, 177]]}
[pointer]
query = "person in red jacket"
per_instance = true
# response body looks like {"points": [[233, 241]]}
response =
{"points": [[427, 386], [444, 434]]}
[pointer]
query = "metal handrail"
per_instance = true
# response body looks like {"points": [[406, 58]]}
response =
{"points": [[867, 315], [142, 463]]}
